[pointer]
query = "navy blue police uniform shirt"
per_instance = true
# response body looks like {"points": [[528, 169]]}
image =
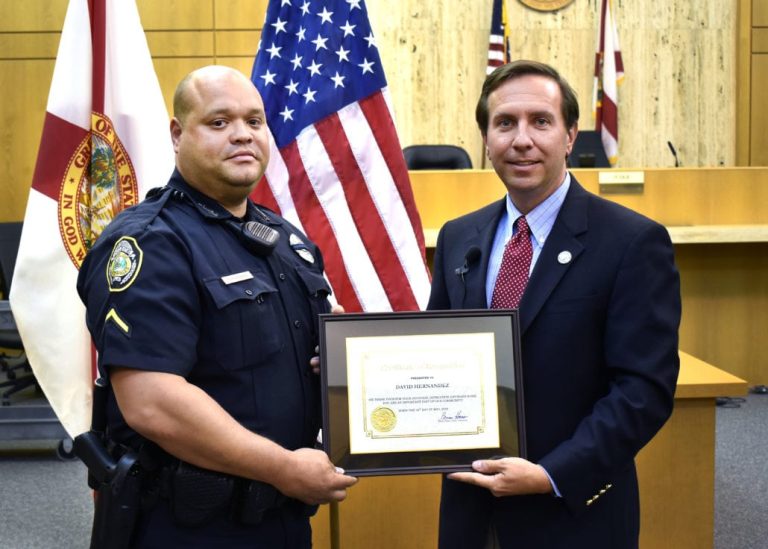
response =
{"points": [[171, 287]]}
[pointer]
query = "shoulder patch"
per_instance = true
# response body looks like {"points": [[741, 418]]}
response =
{"points": [[124, 264]]}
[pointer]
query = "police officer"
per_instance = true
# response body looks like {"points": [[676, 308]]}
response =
{"points": [[203, 307]]}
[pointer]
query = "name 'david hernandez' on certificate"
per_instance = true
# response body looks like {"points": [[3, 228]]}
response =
{"points": [[422, 392]]}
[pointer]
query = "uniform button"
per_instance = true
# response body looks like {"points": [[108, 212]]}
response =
{"points": [[248, 292], [297, 323], [281, 276]]}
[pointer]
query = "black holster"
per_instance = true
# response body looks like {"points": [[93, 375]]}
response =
{"points": [[115, 475], [117, 485], [116, 512]]}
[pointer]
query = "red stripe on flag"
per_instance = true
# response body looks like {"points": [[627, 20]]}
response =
{"points": [[609, 117], [262, 194], [58, 143], [601, 42], [370, 226], [619, 62], [318, 228], [98, 12], [376, 112]]}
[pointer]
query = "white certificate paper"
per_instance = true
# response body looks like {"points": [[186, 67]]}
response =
{"points": [[422, 392]]}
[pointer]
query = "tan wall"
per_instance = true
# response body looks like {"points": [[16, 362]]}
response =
{"points": [[680, 58], [759, 73]]}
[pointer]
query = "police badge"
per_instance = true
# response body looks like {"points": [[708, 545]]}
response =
{"points": [[124, 264]]}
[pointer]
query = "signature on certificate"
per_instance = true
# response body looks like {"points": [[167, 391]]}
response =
{"points": [[457, 417]]}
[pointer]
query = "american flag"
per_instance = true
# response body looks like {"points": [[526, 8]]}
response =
{"points": [[336, 168], [498, 46], [609, 72]]}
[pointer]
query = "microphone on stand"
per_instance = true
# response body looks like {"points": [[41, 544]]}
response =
{"points": [[674, 153]]}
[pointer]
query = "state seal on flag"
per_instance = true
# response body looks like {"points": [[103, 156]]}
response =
{"points": [[99, 182]]}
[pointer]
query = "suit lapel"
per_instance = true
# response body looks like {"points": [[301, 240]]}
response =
{"points": [[481, 236], [551, 266]]}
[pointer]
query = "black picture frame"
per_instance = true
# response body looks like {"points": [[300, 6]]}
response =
{"points": [[335, 329]]}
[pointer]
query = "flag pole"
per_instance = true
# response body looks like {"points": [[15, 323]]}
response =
{"points": [[335, 531]]}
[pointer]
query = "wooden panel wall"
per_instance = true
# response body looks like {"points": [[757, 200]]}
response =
{"points": [[759, 74], [680, 59]]}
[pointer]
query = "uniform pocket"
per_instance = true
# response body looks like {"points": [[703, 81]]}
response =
{"points": [[244, 322], [318, 291], [315, 283]]}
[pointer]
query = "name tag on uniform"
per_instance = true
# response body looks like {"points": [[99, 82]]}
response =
{"points": [[237, 277]]}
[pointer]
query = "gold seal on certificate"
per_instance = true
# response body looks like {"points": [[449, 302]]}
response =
{"points": [[383, 419]]}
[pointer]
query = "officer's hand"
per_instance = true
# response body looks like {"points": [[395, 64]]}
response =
{"points": [[312, 478], [314, 362], [507, 477]]}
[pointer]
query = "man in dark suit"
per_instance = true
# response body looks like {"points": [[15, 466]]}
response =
{"points": [[599, 316]]}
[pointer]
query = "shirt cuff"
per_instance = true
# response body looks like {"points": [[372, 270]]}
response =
{"points": [[554, 486]]}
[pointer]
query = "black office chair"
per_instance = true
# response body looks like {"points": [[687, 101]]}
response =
{"points": [[436, 157], [16, 367], [588, 151]]}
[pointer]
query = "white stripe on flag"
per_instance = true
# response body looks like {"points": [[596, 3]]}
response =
{"points": [[496, 55], [386, 198], [610, 144], [610, 76], [277, 177], [329, 192]]}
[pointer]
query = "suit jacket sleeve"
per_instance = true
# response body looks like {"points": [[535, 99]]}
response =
{"points": [[641, 362]]}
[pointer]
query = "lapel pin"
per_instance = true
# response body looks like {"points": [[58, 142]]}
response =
{"points": [[564, 257]]}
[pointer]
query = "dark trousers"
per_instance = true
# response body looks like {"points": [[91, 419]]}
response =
{"points": [[286, 527]]}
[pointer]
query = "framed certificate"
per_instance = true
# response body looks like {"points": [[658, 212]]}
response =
{"points": [[421, 392]]}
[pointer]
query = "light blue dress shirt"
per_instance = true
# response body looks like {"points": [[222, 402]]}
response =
{"points": [[540, 220]]}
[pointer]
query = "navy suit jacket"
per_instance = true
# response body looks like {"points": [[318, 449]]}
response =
{"points": [[599, 329]]}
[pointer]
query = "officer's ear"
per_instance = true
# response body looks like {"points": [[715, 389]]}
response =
{"points": [[176, 131]]}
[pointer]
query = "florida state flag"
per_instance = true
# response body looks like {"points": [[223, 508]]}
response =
{"points": [[105, 142], [609, 72]]}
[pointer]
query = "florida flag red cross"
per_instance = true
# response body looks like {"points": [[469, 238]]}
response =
{"points": [[105, 142], [609, 72], [336, 168]]}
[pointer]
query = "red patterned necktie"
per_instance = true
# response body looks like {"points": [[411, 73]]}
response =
{"points": [[513, 273]]}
